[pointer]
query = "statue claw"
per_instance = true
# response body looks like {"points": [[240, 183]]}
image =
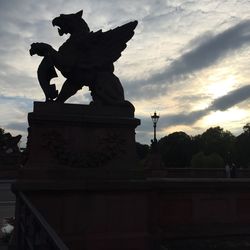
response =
{"points": [[52, 91], [51, 94]]}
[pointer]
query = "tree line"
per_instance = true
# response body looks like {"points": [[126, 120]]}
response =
{"points": [[215, 147], [10, 154]]}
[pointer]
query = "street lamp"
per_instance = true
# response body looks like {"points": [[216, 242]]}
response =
{"points": [[155, 119]]}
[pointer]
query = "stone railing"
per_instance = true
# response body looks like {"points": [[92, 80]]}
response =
{"points": [[195, 173], [32, 230]]}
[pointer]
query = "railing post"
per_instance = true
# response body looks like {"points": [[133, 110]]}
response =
{"points": [[32, 230]]}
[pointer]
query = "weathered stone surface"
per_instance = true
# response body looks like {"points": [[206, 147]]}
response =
{"points": [[65, 136]]}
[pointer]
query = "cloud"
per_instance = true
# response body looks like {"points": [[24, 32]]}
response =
{"points": [[204, 52], [16, 99], [232, 98], [183, 118], [210, 50], [17, 126], [173, 119], [223, 103], [14, 111]]}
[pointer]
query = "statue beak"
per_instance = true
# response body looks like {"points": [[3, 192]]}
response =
{"points": [[54, 22]]}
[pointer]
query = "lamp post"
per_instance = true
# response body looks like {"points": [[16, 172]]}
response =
{"points": [[155, 119]]}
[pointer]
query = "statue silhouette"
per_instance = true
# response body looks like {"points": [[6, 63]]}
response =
{"points": [[85, 59]]}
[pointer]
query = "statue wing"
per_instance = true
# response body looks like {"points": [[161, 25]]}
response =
{"points": [[106, 47]]}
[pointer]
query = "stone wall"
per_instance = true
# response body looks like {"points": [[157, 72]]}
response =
{"points": [[140, 214]]}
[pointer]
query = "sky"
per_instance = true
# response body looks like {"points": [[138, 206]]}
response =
{"points": [[189, 60]]}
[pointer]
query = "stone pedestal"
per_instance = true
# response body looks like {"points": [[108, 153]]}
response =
{"points": [[80, 140], [80, 174]]}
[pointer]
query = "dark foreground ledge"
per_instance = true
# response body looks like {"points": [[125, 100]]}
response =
{"points": [[167, 184], [141, 214]]}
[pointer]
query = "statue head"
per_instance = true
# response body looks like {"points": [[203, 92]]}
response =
{"points": [[70, 23]]}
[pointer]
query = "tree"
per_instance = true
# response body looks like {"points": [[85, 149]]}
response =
{"points": [[176, 149], [142, 150], [200, 160], [246, 128], [1, 132], [216, 140], [243, 147], [10, 155]]}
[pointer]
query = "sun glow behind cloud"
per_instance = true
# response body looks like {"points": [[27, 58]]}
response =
{"points": [[220, 85], [222, 117]]}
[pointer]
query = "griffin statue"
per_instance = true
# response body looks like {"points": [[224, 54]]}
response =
{"points": [[85, 59]]}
